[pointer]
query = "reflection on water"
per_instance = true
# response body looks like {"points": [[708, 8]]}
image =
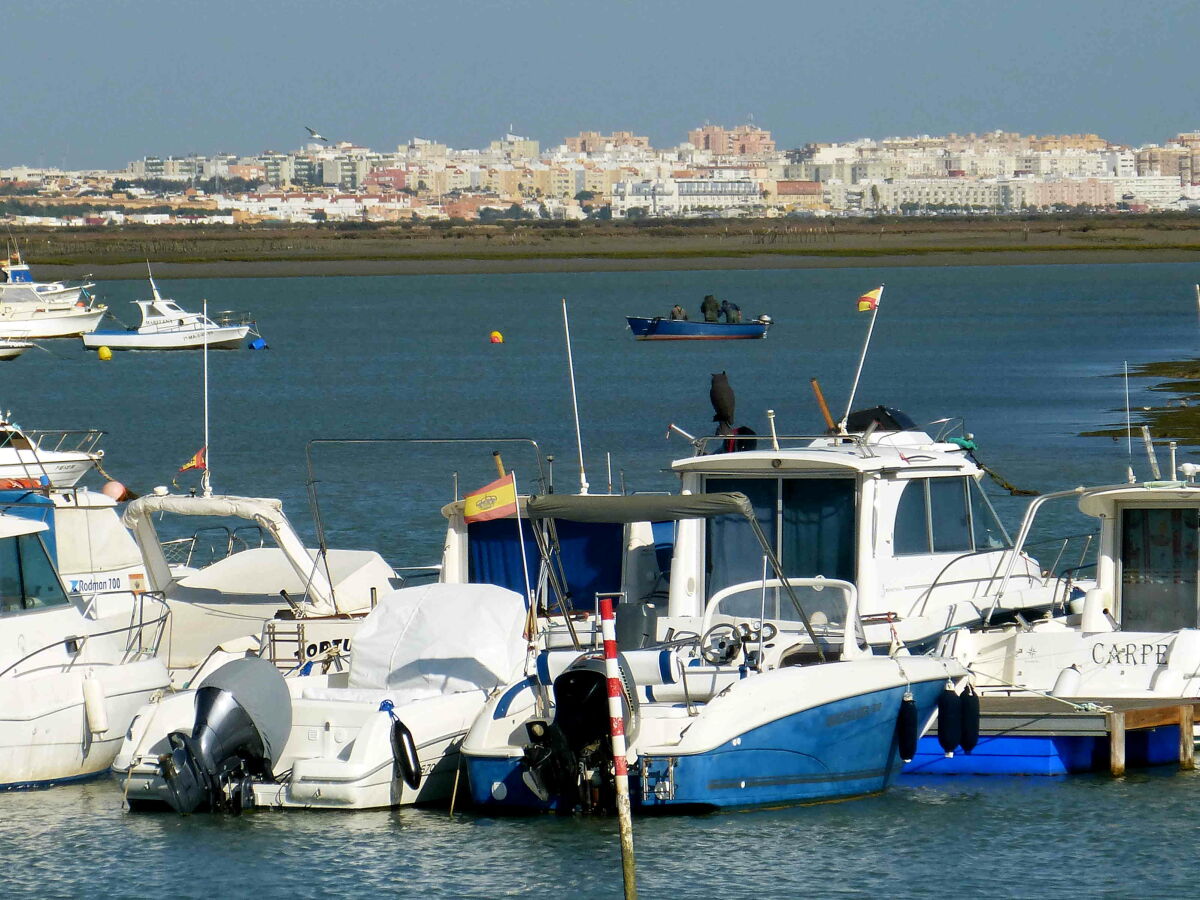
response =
{"points": [[1017, 351]]}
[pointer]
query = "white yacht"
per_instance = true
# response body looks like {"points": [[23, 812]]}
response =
{"points": [[17, 285], [72, 674]]}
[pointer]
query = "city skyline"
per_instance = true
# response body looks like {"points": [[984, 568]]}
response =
{"points": [[132, 78]]}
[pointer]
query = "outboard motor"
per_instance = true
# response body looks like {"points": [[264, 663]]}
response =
{"points": [[243, 715], [570, 759]]}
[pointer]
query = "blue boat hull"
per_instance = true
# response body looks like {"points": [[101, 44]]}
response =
{"points": [[831, 752], [659, 329], [1045, 754]]}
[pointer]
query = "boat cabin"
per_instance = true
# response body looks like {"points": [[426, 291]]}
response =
{"points": [[891, 509]]}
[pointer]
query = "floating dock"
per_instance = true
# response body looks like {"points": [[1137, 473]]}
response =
{"points": [[1035, 735]]}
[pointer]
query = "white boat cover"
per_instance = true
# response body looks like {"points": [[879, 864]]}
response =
{"points": [[438, 639]]}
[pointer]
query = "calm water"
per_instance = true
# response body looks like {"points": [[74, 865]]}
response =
{"points": [[1020, 352]]}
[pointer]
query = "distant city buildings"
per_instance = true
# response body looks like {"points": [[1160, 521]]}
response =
{"points": [[717, 172]]}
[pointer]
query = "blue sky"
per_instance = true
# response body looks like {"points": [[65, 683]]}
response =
{"points": [[101, 83]]}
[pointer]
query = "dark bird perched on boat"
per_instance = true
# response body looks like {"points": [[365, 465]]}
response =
{"points": [[720, 394]]}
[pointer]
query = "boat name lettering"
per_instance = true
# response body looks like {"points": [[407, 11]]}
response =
{"points": [[95, 584], [1130, 654], [340, 645], [850, 715]]}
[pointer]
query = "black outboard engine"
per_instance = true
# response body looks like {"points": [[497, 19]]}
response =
{"points": [[243, 715], [570, 759]]}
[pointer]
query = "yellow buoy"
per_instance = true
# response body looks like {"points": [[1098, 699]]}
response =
{"points": [[104, 353], [496, 337]]}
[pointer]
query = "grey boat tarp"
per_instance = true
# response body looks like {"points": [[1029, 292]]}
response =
{"points": [[637, 507]]}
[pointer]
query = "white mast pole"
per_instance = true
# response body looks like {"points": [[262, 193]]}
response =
{"points": [[205, 479], [861, 359], [583, 484]]}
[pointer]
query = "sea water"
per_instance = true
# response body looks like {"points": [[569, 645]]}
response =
{"points": [[1026, 355]]}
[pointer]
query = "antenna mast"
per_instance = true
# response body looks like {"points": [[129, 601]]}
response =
{"points": [[205, 478], [583, 484]]}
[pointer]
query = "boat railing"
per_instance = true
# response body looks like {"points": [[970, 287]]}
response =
{"points": [[1070, 555], [232, 317], [211, 544], [137, 644], [53, 440], [857, 442]]}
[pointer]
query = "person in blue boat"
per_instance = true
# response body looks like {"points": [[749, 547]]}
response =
{"points": [[710, 308], [678, 313], [731, 312]]}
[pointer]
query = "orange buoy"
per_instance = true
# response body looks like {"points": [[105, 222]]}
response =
{"points": [[496, 337]]}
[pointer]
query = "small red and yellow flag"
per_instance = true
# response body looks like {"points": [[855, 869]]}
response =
{"points": [[196, 462], [870, 300], [493, 501]]}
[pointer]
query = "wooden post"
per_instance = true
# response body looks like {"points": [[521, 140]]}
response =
{"points": [[1187, 745], [1116, 744]]}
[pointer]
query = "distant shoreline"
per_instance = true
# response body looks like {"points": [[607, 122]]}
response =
{"points": [[293, 268], [452, 249]]}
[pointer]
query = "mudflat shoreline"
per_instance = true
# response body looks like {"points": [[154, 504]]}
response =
{"points": [[310, 251]]}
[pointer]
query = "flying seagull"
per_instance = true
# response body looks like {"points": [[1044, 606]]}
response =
{"points": [[319, 137]]}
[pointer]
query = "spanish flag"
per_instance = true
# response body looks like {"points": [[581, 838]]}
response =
{"points": [[494, 501], [196, 462], [870, 300]]}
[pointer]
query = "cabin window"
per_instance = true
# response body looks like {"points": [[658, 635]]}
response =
{"points": [[912, 520], [809, 523], [1159, 560], [946, 515], [27, 578]]}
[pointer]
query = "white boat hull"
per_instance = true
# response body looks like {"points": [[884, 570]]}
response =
{"points": [[63, 469], [13, 349], [222, 338], [48, 323]]}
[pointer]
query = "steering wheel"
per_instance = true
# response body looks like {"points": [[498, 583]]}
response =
{"points": [[721, 644]]}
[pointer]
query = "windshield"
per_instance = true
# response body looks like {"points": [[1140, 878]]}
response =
{"points": [[27, 577]]}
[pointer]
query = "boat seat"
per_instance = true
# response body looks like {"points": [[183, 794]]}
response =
{"points": [[806, 655]]}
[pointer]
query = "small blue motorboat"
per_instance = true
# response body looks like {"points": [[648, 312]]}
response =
{"points": [[659, 328]]}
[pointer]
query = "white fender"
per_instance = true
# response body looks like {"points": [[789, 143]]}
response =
{"points": [[94, 705]]}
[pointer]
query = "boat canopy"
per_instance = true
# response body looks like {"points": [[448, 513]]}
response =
{"points": [[638, 507], [265, 512]]}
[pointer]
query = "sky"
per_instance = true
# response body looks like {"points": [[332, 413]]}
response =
{"points": [[96, 84]]}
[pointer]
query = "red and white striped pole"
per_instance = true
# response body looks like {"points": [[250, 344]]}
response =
{"points": [[617, 727]]}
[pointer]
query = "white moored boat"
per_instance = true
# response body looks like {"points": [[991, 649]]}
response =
{"points": [[71, 674], [36, 309], [17, 286], [165, 325], [60, 457], [12, 349]]}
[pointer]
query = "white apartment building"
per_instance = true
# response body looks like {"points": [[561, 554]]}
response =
{"points": [[681, 197]]}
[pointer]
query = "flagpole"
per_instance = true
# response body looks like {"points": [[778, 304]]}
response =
{"points": [[521, 542], [205, 480], [861, 359]]}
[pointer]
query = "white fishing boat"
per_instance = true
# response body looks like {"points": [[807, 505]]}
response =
{"points": [[55, 457], [12, 349], [72, 675], [385, 733], [17, 285], [165, 325]]}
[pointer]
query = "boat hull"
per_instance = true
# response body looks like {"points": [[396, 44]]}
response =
{"points": [[223, 338], [659, 329], [63, 468], [828, 751], [48, 323]]}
